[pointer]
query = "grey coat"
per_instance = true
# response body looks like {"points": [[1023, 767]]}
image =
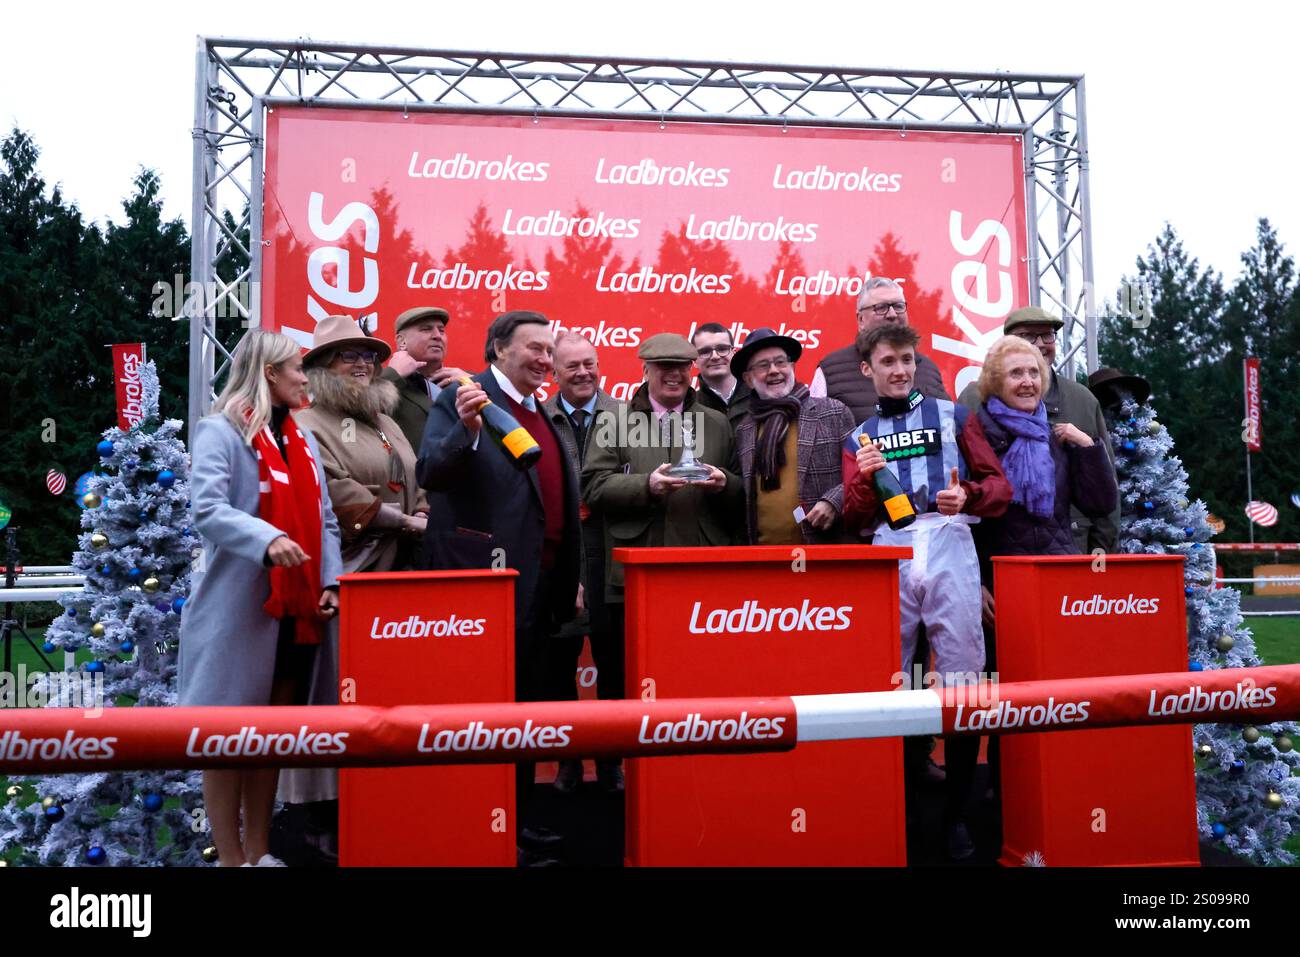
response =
{"points": [[227, 653]]}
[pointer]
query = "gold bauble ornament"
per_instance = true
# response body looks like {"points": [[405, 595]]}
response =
{"points": [[1182, 503], [48, 802], [210, 855], [1154, 427], [14, 790], [97, 629], [1274, 800], [1225, 642], [91, 500], [99, 540], [1250, 735], [150, 584], [1206, 750], [1283, 743]]}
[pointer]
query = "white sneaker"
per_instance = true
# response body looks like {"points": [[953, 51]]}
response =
{"points": [[270, 861]]}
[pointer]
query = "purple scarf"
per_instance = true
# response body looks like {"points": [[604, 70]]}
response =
{"points": [[1028, 462]]}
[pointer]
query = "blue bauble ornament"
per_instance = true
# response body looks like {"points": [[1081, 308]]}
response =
{"points": [[1195, 666], [54, 813], [94, 667], [1129, 446], [161, 606], [1189, 531], [95, 855], [178, 604], [72, 613], [48, 647], [133, 575], [1132, 421], [1219, 830], [104, 569], [104, 448], [1238, 768], [144, 516], [1148, 506], [127, 647], [1196, 544], [1188, 591], [132, 463], [152, 802], [166, 478]]}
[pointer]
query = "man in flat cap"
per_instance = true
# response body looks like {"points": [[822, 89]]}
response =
{"points": [[1066, 401], [626, 475], [416, 368]]}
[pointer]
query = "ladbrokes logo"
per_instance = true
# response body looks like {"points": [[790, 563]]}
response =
{"points": [[479, 737], [247, 742], [1006, 715], [1199, 701], [751, 616], [649, 173], [1097, 605], [822, 178], [417, 627], [695, 727], [70, 747], [464, 166]]}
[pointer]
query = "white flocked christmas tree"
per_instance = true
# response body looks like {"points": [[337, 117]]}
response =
{"points": [[1248, 800], [135, 551]]}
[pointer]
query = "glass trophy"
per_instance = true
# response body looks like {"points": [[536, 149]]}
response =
{"points": [[689, 468]]}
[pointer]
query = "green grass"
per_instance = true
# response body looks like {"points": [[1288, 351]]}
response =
{"points": [[1277, 640]]}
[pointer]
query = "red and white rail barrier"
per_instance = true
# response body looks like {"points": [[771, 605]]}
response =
{"points": [[72, 739]]}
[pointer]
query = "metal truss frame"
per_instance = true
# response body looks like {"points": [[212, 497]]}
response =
{"points": [[237, 80]]}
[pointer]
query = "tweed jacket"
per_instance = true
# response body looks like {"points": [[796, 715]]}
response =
{"points": [[823, 423]]}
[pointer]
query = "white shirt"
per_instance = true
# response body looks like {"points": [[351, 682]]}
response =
{"points": [[817, 388]]}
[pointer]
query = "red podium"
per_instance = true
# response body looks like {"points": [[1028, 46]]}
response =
{"points": [[427, 638], [766, 620], [1115, 796]]}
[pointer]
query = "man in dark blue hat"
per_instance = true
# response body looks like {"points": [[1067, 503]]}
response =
{"points": [[788, 448]]}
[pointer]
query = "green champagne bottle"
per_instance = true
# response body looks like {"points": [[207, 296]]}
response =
{"points": [[514, 441], [897, 503]]}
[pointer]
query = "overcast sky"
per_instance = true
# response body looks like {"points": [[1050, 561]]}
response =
{"points": [[1187, 103]]}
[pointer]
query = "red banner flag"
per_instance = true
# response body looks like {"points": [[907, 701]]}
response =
{"points": [[128, 361], [1252, 406]]}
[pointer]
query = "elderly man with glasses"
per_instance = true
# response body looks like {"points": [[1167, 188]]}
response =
{"points": [[1066, 401], [839, 375], [719, 389], [788, 447]]}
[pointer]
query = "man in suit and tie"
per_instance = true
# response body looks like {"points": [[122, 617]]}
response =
{"points": [[416, 368], [482, 508], [573, 413]]}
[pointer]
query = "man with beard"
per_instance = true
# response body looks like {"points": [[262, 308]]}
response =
{"points": [[788, 447], [416, 368]]}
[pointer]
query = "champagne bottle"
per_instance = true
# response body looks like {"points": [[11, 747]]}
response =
{"points": [[898, 506], [514, 441]]}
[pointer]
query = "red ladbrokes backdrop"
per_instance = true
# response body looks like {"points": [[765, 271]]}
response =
{"points": [[622, 229]]}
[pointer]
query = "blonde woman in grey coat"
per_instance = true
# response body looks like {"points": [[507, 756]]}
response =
{"points": [[233, 650]]}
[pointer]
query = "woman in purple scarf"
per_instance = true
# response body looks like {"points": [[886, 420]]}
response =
{"points": [[1050, 467]]}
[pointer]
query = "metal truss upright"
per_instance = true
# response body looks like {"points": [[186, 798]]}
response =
{"points": [[238, 80]]}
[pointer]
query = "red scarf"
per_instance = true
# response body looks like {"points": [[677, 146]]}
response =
{"points": [[291, 501]]}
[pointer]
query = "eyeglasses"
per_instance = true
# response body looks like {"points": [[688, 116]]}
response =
{"points": [[882, 308], [780, 362], [352, 357], [722, 351], [1033, 338]]}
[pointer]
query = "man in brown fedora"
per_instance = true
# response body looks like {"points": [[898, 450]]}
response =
{"points": [[417, 367], [1066, 401]]}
